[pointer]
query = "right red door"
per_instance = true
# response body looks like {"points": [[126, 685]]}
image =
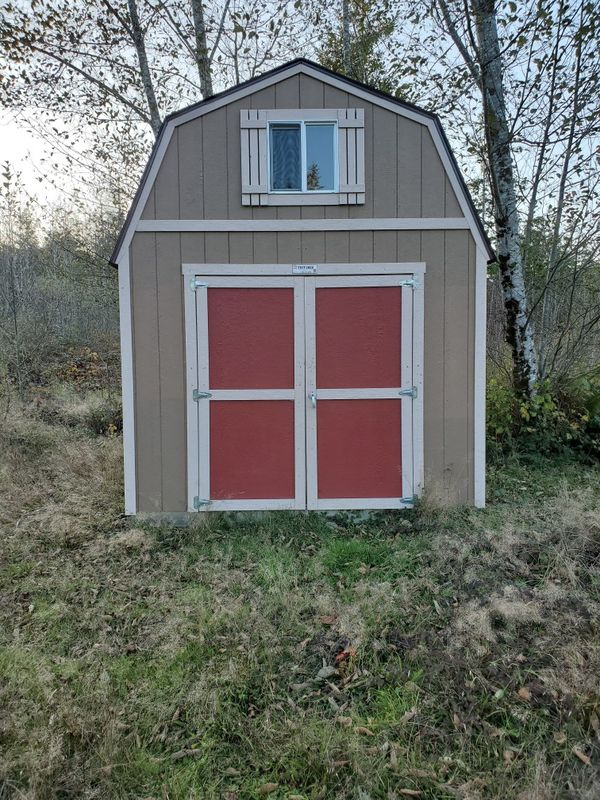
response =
{"points": [[360, 392]]}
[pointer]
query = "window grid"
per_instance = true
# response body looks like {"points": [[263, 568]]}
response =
{"points": [[303, 125]]}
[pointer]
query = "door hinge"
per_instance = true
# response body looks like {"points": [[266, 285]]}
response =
{"points": [[408, 500], [198, 395], [196, 284], [199, 502], [410, 392], [411, 282]]}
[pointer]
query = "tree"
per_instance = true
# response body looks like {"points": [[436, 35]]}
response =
{"points": [[520, 100]]}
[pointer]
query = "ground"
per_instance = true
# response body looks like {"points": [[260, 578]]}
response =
{"points": [[429, 654]]}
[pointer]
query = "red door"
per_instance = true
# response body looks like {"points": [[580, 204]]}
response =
{"points": [[250, 393], [359, 377]]}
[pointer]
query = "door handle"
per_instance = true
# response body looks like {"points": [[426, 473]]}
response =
{"points": [[313, 399]]}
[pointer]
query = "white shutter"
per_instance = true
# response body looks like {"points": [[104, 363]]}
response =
{"points": [[253, 132], [351, 152]]}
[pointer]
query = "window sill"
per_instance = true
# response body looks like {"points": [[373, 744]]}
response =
{"points": [[303, 199]]}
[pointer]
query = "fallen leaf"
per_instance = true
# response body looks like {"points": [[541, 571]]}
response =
{"points": [[508, 756], [408, 715], [187, 753], [559, 737], [393, 758], [410, 792], [524, 693], [328, 619], [363, 569], [345, 722], [363, 731], [595, 722], [582, 756], [232, 771], [337, 764], [267, 788], [326, 672], [456, 721]]}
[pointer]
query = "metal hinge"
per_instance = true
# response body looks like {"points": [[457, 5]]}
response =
{"points": [[196, 284], [408, 500], [198, 395], [411, 392], [199, 502], [412, 282]]}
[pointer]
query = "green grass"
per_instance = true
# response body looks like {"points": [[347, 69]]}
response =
{"points": [[331, 657]]}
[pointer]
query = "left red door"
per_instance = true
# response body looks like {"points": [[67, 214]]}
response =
{"points": [[250, 393]]}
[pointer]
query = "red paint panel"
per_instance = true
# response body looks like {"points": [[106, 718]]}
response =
{"points": [[251, 338], [251, 449], [359, 448], [358, 337]]}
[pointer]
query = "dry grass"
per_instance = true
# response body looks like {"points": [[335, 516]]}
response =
{"points": [[451, 654]]}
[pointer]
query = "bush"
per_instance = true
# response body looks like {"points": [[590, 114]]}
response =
{"points": [[554, 421]]}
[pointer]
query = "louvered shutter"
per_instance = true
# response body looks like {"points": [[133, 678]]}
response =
{"points": [[351, 152], [253, 130]]}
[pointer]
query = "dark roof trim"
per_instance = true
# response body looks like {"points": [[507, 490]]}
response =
{"points": [[283, 68]]}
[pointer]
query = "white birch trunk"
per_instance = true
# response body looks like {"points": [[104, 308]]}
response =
{"points": [[510, 259]]}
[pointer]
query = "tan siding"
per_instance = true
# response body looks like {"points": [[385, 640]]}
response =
{"points": [[433, 178], [313, 247], [172, 371], [409, 168], [216, 248], [214, 154], [456, 361], [312, 92], [384, 153], [452, 207], [240, 248], [191, 171], [149, 211], [385, 246], [146, 372], [166, 185]]}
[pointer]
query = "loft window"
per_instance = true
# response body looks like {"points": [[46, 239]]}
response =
{"points": [[302, 156]]}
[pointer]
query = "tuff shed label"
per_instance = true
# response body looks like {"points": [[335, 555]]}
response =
{"points": [[304, 269]]}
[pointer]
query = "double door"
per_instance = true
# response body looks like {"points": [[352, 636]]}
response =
{"points": [[306, 393]]}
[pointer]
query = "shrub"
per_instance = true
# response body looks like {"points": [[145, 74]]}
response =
{"points": [[554, 421]]}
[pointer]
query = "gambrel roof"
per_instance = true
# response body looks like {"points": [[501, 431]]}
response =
{"points": [[274, 76]]}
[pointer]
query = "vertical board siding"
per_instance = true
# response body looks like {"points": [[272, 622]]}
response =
{"points": [[432, 252], [191, 170], [172, 371], [409, 173], [214, 155], [456, 366], [201, 177], [166, 186], [433, 178], [147, 372]]}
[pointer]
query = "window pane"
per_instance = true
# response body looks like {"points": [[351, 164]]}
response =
{"points": [[285, 158], [319, 157]]}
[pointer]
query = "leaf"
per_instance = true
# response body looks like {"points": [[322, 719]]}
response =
{"points": [[524, 693], [328, 619], [410, 792], [345, 722], [456, 721], [582, 756], [232, 772], [408, 715], [364, 731], [508, 757], [559, 737], [325, 672], [267, 788]]}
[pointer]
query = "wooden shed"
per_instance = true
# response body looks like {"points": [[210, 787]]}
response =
{"points": [[302, 284]]}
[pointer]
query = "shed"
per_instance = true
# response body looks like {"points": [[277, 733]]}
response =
{"points": [[302, 279]]}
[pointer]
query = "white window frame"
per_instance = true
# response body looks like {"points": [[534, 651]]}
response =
{"points": [[303, 123], [267, 275]]}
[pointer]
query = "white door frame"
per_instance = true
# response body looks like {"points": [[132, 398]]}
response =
{"points": [[200, 277]]}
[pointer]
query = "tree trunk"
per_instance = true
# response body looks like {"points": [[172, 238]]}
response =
{"points": [[346, 37], [140, 46], [519, 331], [202, 54]]}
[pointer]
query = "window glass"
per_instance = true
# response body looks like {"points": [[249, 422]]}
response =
{"points": [[285, 158], [320, 157]]}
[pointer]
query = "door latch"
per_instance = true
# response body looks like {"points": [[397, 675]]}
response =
{"points": [[313, 399]]}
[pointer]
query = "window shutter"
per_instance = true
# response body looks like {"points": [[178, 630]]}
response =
{"points": [[351, 150], [253, 131]]}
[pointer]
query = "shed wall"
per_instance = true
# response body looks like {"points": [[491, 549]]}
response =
{"points": [[158, 340]]}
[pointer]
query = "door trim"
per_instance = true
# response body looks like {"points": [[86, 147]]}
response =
{"points": [[276, 275]]}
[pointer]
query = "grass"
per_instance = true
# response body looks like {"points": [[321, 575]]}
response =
{"points": [[432, 654]]}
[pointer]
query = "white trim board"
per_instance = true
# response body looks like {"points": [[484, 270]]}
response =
{"points": [[307, 225], [408, 268], [126, 330], [270, 80], [479, 380]]}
